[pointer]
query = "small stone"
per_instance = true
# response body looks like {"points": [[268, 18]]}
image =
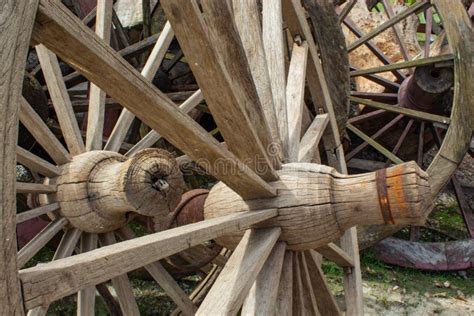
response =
{"points": [[395, 288], [446, 284]]}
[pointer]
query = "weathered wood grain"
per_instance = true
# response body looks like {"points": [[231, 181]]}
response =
{"points": [[332, 252], [35, 163], [86, 296], [38, 211], [310, 141], [284, 302]]}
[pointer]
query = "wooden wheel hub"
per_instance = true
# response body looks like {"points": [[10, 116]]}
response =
{"points": [[99, 190], [316, 204]]}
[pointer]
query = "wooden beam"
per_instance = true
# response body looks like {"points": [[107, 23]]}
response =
{"points": [[61, 101], [45, 283], [96, 114], [247, 21], [216, 57], [310, 141], [240, 272], [36, 163], [15, 30], [337, 255], [325, 299], [43, 135], [64, 34], [295, 97], [274, 47], [262, 297]]}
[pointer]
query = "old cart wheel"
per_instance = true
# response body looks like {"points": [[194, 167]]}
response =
{"points": [[417, 109], [272, 206]]}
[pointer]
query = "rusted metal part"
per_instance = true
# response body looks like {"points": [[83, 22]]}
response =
{"points": [[428, 90], [381, 180], [433, 256], [190, 209]]}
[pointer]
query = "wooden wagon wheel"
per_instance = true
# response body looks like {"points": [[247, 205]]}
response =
{"points": [[425, 101], [272, 205]]}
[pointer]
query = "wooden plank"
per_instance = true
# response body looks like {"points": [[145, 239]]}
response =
{"points": [[240, 271], [15, 30], [35, 212], [334, 253], [325, 299], [164, 279], [247, 21], [284, 303], [310, 141], [86, 296], [408, 112], [40, 240], [418, 6], [43, 135], [384, 151], [309, 295], [96, 115], [403, 65], [295, 97], [60, 99], [274, 47], [216, 56], [64, 34], [148, 72], [121, 283], [45, 283], [36, 163], [152, 137], [262, 297], [26, 187]]}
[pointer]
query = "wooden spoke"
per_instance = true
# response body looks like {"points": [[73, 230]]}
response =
{"points": [[428, 29], [284, 303], [390, 85], [65, 249], [164, 279], [405, 111], [419, 6], [86, 296], [149, 70], [40, 240], [247, 22], [309, 298], [64, 34], [396, 29], [403, 65], [374, 96], [401, 140], [43, 135], [295, 18], [220, 67], [298, 299], [325, 300], [95, 117], [377, 134], [263, 294], [334, 253], [121, 283], [152, 137], [421, 143], [384, 151], [373, 48], [23, 217], [367, 116], [274, 46], [295, 97], [241, 271], [310, 141], [107, 262], [346, 10], [26, 187], [36, 163], [61, 101]]}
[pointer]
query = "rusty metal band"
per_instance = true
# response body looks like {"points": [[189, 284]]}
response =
{"points": [[381, 180]]}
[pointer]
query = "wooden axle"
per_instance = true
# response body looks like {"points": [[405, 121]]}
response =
{"points": [[99, 190], [316, 204]]}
